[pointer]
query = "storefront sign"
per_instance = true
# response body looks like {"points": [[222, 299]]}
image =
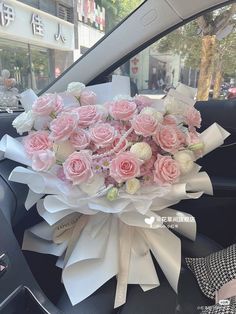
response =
{"points": [[42, 29], [59, 35], [90, 13], [7, 14], [37, 25]]}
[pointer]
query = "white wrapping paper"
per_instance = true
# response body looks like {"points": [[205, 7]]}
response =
{"points": [[12, 149], [213, 137], [96, 239], [95, 255]]}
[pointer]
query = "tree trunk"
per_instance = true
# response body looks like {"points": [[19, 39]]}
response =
{"points": [[217, 84], [204, 82]]}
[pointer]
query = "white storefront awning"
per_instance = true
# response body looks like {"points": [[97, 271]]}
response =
{"points": [[26, 24]]}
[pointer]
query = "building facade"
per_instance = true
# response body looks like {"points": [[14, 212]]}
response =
{"points": [[39, 39]]}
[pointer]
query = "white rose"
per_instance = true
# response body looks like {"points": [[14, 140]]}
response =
{"points": [[63, 150], [24, 122], [142, 150], [75, 88], [154, 113], [132, 186], [185, 159]]}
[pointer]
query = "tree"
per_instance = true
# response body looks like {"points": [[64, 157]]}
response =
{"points": [[117, 10], [199, 47], [211, 24], [184, 41], [224, 61]]}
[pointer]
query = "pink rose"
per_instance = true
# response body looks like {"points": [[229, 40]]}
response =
{"points": [[118, 125], [102, 134], [121, 147], [155, 149], [147, 166], [58, 103], [87, 97], [144, 125], [80, 139], [43, 160], [166, 170], [37, 141], [167, 138], [118, 148], [132, 137], [109, 181], [61, 174], [193, 117], [122, 110], [88, 115], [142, 101], [125, 166], [193, 138], [47, 104], [181, 137], [63, 126], [148, 179], [78, 167], [170, 120]]}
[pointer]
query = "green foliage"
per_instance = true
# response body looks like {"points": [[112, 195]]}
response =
{"points": [[184, 41], [117, 10], [226, 50], [125, 7], [187, 42]]}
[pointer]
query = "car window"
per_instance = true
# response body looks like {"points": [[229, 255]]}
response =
{"points": [[40, 39], [200, 54]]}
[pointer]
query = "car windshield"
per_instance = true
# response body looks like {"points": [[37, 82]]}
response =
{"points": [[40, 39], [200, 54]]}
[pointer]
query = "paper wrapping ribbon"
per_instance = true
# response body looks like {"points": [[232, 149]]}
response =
{"points": [[12, 149], [99, 247], [125, 240]]}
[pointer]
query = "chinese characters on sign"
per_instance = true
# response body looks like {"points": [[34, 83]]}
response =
{"points": [[39, 29], [7, 14], [37, 25], [59, 34]]}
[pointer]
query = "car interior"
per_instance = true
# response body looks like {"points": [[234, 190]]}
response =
{"points": [[30, 282]]}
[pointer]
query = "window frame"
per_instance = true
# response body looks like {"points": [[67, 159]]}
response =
{"points": [[102, 77]]}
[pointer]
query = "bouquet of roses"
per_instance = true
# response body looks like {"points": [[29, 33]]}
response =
{"points": [[130, 157], [122, 146]]}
